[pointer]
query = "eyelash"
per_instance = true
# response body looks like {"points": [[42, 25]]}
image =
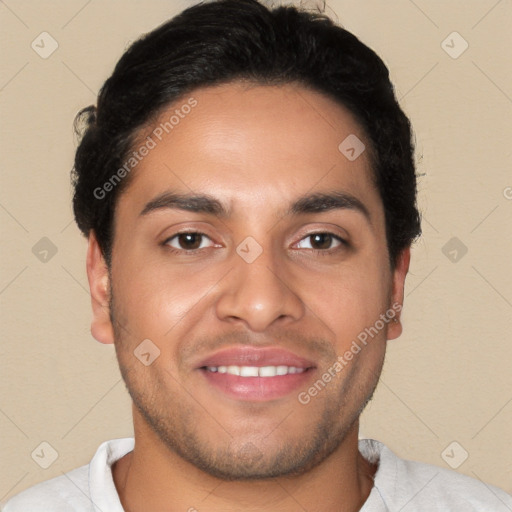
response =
{"points": [[191, 252]]}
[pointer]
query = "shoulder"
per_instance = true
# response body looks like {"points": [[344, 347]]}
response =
{"points": [[452, 490], [89, 487], [65, 493], [411, 485]]}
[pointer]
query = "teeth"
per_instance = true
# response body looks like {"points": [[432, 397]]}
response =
{"points": [[282, 370], [255, 371], [234, 370], [248, 371], [268, 371]]}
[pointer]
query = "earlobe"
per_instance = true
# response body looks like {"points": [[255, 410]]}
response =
{"points": [[397, 298], [99, 285]]}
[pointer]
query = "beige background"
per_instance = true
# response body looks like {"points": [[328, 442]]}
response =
{"points": [[446, 379]]}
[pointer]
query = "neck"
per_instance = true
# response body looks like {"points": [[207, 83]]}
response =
{"points": [[154, 478]]}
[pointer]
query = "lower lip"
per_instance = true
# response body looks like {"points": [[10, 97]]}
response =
{"points": [[257, 389]]}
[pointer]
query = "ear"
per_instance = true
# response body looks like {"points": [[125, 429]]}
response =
{"points": [[397, 296], [99, 284]]}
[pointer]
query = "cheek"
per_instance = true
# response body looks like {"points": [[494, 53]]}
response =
{"points": [[154, 298], [350, 300]]}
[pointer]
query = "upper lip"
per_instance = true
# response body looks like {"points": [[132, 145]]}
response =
{"points": [[253, 356]]}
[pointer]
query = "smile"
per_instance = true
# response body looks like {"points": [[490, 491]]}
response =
{"points": [[256, 371]]}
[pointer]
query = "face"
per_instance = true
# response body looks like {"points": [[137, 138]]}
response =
{"points": [[251, 253]]}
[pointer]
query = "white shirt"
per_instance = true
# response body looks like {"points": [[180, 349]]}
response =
{"points": [[400, 485]]}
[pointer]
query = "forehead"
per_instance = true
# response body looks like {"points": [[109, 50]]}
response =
{"points": [[252, 145]]}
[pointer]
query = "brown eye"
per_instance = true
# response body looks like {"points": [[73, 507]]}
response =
{"points": [[187, 241], [321, 242]]}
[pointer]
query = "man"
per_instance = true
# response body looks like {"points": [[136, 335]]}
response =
{"points": [[247, 185]]}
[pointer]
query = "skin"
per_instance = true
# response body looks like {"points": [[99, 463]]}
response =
{"points": [[257, 149]]}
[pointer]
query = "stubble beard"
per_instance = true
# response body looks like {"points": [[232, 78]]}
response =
{"points": [[177, 420]]}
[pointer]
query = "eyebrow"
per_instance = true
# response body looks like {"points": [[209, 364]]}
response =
{"points": [[324, 202], [198, 203], [204, 203]]}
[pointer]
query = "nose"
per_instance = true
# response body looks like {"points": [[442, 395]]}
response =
{"points": [[259, 293]]}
